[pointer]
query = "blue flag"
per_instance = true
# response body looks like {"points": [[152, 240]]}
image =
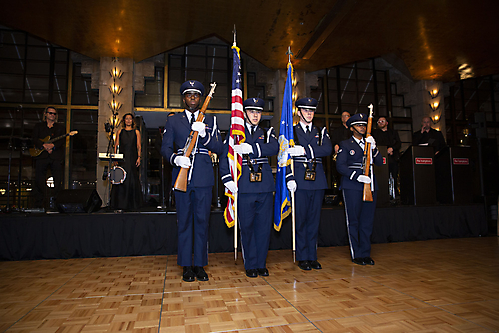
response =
{"points": [[282, 206]]}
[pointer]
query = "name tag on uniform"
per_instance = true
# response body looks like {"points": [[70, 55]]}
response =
{"points": [[309, 175], [255, 177]]}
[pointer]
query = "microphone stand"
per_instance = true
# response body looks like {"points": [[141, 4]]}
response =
{"points": [[110, 152]]}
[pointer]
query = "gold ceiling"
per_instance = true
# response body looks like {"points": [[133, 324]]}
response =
{"points": [[431, 38]]}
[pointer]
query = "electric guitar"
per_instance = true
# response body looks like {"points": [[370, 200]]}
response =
{"points": [[35, 151]]}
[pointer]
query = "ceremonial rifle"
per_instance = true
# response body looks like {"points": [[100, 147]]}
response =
{"points": [[368, 194], [181, 182]]}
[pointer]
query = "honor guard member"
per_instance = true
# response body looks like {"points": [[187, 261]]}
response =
{"points": [[194, 205], [359, 213], [309, 181], [255, 188]]}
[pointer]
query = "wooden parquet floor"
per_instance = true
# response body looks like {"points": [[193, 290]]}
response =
{"points": [[432, 286]]}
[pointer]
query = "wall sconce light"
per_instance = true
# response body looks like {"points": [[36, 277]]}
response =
{"points": [[116, 73], [115, 89], [434, 106], [115, 106], [433, 93], [435, 118]]}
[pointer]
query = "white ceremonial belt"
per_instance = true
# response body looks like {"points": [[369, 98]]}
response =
{"points": [[302, 159], [260, 160], [195, 151]]}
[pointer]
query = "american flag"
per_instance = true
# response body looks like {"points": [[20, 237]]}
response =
{"points": [[236, 135]]}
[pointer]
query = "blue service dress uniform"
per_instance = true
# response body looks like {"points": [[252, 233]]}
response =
{"points": [[255, 199], [193, 206], [359, 213], [309, 193]]}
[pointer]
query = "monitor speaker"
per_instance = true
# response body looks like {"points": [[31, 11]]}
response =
{"points": [[78, 201]]}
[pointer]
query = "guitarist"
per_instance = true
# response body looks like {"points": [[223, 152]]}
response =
{"points": [[359, 213], [52, 156], [194, 205]]}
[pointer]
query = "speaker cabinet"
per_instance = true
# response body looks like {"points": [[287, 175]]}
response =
{"points": [[78, 201]]}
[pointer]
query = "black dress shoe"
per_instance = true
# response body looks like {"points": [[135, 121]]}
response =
{"points": [[200, 273], [304, 265], [263, 272], [358, 261], [188, 275], [368, 261], [252, 273], [315, 264]]}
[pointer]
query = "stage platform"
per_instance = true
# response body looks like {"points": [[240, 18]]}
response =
{"points": [[154, 232]]}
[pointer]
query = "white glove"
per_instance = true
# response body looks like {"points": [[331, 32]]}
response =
{"points": [[231, 186], [372, 142], [182, 161], [296, 150], [243, 148], [364, 179], [199, 127], [291, 186]]}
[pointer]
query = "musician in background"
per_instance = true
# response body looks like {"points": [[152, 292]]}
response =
{"points": [[194, 205], [389, 138], [428, 136], [128, 195], [340, 133], [359, 213], [52, 156]]}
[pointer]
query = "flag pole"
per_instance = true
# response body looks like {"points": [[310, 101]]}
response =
{"points": [[293, 209], [293, 213], [235, 181], [235, 208]]}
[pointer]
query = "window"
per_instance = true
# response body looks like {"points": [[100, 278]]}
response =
{"points": [[153, 93], [206, 61], [32, 70], [83, 149], [82, 93]]}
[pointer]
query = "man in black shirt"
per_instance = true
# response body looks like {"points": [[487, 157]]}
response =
{"points": [[341, 133], [52, 155], [428, 136], [389, 138]]}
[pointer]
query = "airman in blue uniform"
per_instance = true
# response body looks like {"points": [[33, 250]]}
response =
{"points": [[255, 188], [194, 205], [359, 213], [309, 181]]}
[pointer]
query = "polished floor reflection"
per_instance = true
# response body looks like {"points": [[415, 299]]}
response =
{"points": [[433, 286]]}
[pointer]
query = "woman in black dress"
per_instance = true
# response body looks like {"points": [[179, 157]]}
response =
{"points": [[128, 196]]}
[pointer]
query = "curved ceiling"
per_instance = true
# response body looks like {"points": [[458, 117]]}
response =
{"points": [[432, 38]]}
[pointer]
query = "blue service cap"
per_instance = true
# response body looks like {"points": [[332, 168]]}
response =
{"points": [[254, 104], [357, 119], [306, 103], [192, 86]]}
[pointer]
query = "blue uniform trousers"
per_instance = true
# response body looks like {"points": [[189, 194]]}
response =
{"points": [[193, 215], [308, 214], [360, 218], [255, 223]]}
